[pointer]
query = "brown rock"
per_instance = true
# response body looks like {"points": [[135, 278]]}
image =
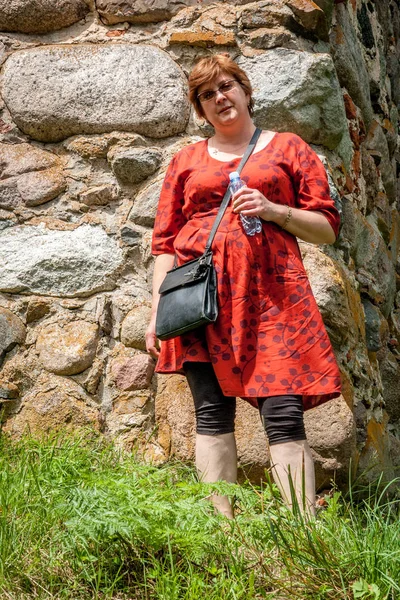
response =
{"points": [[330, 432], [132, 372], [203, 38], [134, 326], [174, 413], [99, 195], [310, 16], [12, 331], [30, 176], [68, 349], [54, 403], [37, 309]]}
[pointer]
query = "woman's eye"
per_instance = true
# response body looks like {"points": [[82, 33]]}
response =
{"points": [[225, 87], [208, 95]]}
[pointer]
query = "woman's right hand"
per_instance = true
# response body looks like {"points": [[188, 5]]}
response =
{"points": [[152, 344]]}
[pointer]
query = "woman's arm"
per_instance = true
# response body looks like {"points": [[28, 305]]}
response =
{"points": [[163, 263], [308, 225]]}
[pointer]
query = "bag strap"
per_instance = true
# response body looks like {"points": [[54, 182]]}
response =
{"points": [[227, 196]]}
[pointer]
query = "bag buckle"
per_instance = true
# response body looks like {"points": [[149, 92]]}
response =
{"points": [[198, 271]]}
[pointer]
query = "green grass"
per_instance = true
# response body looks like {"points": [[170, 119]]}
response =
{"points": [[79, 520]]}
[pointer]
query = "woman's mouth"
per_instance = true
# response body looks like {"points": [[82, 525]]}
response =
{"points": [[224, 109]]}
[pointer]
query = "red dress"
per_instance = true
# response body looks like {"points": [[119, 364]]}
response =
{"points": [[269, 338]]}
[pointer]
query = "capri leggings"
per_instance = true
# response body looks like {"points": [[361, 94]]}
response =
{"points": [[282, 416]]}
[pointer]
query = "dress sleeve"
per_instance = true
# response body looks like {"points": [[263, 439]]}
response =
{"points": [[311, 183], [169, 217]]}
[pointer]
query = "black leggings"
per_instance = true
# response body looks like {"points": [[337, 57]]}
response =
{"points": [[282, 416]]}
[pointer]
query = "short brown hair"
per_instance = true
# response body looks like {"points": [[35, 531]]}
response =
{"points": [[209, 68]]}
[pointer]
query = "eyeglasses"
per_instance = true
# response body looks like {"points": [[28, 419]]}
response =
{"points": [[224, 88]]}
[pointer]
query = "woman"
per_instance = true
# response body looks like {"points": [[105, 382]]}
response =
{"points": [[268, 345]]}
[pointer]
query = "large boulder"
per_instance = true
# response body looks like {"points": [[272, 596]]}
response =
{"points": [[40, 16], [330, 430], [95, 89], [68, 349], [38, 260], [299, 92], [331, 433], [29, 176]]}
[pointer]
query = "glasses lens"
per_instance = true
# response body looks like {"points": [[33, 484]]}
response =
{"points": [[226, 87], [206, 96]]}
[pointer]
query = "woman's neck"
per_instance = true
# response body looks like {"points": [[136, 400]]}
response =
{"points": [[235, 134]]}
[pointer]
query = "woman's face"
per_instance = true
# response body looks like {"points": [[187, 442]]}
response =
{"points": [[226, 107]]}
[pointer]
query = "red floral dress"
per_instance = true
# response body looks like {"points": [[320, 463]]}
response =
{"points": [[269, 338]]}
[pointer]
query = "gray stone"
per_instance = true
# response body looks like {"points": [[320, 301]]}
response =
{"points": [[40, 16], [68, 349], [145, 205], [38, 260], [377, 142], [95, 89], [298, 91], [130, 236], [30, 176], [132, 165], [134, 327], [349, 61], [376, 327], [12, 331], [374, 267], [390, 375], [140, 11]]}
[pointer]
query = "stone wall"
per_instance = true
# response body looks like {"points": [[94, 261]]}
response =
{"points": [[93, 106]]}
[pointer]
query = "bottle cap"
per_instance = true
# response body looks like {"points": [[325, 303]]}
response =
{"points": [[234, 175]]}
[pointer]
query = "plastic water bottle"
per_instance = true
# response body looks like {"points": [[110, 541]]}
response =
{"points": [[251, 225]]}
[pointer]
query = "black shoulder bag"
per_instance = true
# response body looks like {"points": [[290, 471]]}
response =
{"points": [[188, 294]]}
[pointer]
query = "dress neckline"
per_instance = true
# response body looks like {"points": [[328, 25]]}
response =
{"points": [[238, 158]]}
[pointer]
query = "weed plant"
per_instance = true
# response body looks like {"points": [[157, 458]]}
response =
{"points": [[80, 520]]}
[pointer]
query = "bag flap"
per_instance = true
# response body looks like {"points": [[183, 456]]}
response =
{"points": [[187, 274]]}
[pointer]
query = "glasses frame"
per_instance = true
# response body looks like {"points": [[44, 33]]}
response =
{"points": [[215, 92]]}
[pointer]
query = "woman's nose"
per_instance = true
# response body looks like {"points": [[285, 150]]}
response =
{"points": [[219, 96]]}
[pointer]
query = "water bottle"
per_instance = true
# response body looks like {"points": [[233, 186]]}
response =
{"points": [[251, 225]]}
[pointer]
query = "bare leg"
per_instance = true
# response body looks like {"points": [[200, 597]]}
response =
{"points": [[294, 458], [216, 460]]}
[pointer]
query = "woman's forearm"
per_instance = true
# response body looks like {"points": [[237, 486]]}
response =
{"points": [[309, 226], [162, 264]]}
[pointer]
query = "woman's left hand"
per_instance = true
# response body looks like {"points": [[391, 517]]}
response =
{"points": [[251, 203]]}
